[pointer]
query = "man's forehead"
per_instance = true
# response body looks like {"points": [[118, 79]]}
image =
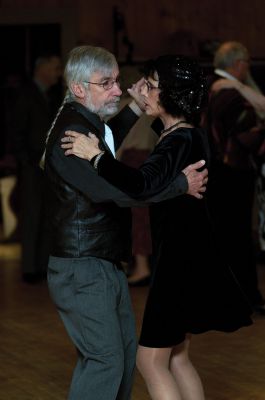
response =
{"points": [[102, 75]]}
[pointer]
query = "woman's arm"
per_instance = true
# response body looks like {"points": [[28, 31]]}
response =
{"points": [[158, 171]]}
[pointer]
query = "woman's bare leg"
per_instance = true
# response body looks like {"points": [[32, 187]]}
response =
{"points": [[153, 364], [186, 376]]}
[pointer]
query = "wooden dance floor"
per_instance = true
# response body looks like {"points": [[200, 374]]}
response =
{"points": [[37, 358]]}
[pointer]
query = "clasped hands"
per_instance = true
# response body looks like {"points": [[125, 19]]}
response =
{"points": [[86, 147]]}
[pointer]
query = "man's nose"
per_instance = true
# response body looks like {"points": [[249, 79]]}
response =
{"points": [[116, 89]]}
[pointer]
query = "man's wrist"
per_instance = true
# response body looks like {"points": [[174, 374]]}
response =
{"points": [[135, 108]]}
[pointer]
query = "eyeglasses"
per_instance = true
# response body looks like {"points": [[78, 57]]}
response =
{"points": [[150, 86], [107, 84]]}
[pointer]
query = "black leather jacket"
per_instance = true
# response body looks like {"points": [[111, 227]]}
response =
{"points": [[81, 227]]}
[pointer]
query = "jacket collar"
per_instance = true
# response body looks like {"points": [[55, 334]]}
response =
{"points": [[94, 120], [224, 74], [91, 117]]}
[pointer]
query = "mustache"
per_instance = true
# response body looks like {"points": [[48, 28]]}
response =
{"points": [[115, 100]]}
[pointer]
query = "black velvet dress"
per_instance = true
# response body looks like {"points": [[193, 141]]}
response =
{"points": [[193, 289]]}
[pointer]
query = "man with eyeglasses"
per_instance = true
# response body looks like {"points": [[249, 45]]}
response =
{"points": [[90, 221], [235, 135]]}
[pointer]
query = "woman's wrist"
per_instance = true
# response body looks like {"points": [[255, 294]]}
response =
{"points": [[93, 153], [95, 159]]}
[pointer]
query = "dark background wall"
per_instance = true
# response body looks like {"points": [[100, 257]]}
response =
{"points": [[153, 27]]}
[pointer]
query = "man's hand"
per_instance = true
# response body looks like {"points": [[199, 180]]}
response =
{"points": [[135, 93], [196, 180]]}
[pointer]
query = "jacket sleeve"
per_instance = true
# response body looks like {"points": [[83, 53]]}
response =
{"points": [[121, 125]]}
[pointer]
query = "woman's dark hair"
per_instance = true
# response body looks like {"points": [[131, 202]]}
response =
{"points": [[182, 84]]}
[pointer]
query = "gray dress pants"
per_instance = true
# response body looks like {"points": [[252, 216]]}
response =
{"points": [[92, 298]]}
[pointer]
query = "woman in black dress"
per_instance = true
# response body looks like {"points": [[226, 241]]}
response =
{"points": [[192, 290]]}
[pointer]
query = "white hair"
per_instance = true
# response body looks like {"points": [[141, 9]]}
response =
{"points": [[228, 53], [82, 62]]}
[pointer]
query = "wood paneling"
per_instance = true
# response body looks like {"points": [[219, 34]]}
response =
{"points": [[161, 25]]}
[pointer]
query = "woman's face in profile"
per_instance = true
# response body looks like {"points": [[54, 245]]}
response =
{"points": [[150, 91]]}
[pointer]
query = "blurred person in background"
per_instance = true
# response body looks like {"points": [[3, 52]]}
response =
{"points": [[33, 112], [252, 93], [10, 83], [236, 136]]}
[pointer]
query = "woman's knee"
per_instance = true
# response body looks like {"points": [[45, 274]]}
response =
{"points": [[150, 361], [180, 354]]}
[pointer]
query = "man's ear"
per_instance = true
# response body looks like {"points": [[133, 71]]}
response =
{"points": [[236, 68], [78, 90]]}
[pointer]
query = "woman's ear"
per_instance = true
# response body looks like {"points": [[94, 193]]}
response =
{"points": [[78, 90]]}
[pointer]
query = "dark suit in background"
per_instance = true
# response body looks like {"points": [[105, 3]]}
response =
{"points": [[33, 114], [231, 124]]}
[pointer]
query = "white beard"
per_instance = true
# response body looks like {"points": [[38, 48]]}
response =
{"points": [[106, 109]]}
